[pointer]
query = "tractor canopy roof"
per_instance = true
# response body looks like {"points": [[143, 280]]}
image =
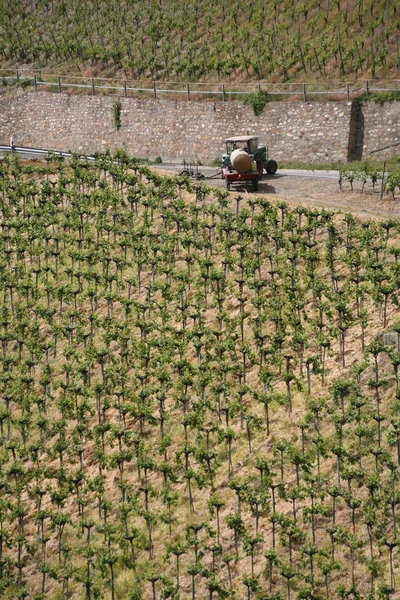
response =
{"points": [[244, 142], [241, 138]]}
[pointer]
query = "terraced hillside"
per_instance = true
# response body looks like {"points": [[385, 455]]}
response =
{"points": [[195, 396], [206, 39]]}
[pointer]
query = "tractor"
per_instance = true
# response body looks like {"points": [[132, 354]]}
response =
{"points": [[244, 161]]}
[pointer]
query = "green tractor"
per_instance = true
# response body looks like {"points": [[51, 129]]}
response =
{"points": [[245, 161]]}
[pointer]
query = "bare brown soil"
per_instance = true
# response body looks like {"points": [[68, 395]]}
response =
{"points": [[317, 191], [325, 193], [284, 425]]}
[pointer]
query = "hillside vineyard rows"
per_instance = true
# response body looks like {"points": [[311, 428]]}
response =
{"points": [[278, 40], [196, 401]]}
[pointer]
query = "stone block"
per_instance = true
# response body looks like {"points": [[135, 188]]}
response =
{"points": [[50, 120], [391, 338]]}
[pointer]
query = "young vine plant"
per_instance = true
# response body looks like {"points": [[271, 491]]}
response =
{"points": [[195, 396]]}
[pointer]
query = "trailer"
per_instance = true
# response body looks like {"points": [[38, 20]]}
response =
{"points": [[245, 161]]}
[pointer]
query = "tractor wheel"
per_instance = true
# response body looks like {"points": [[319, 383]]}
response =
{"points": [[259, 168], [255, 185], [272, 167], [228, 185]]}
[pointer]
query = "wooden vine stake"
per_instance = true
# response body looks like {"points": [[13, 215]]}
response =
{"points": [[383, 178]]}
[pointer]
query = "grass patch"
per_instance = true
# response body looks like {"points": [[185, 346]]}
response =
{"points": [[294, 164], [335, 165]]}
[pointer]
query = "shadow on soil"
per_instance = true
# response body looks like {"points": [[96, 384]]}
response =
{"points": [[264, 187]]}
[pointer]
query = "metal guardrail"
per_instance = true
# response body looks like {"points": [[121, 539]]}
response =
{"points": [[300, 91], [39, 152], [188, 169]]}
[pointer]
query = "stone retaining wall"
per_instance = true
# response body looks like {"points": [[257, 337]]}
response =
{"points": [[380, 125], [177, 130], [174, 130]]}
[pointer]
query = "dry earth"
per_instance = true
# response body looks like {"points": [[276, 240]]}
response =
{"points": [[318, 191], [326, 193]]}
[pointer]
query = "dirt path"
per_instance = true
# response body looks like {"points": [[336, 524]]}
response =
{"points": [[317, 191]]}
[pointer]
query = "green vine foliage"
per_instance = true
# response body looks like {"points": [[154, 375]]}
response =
{"points": [[195, 396], [379, 98], [257, 101], [364, 173], [116, 113], [382, 97], [212, 39]]}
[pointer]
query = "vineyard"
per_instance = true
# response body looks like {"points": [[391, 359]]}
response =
{"points": [[207, 39], [358, 176], [197, 400]]}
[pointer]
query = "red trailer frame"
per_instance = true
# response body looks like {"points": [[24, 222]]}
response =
{"points": [[234, 177]]}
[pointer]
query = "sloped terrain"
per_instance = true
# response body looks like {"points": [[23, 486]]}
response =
{"points": [[204, 40], [196, 398]]}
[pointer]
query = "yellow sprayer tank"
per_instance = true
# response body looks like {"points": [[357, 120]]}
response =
{"points": [[241, 161]]}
